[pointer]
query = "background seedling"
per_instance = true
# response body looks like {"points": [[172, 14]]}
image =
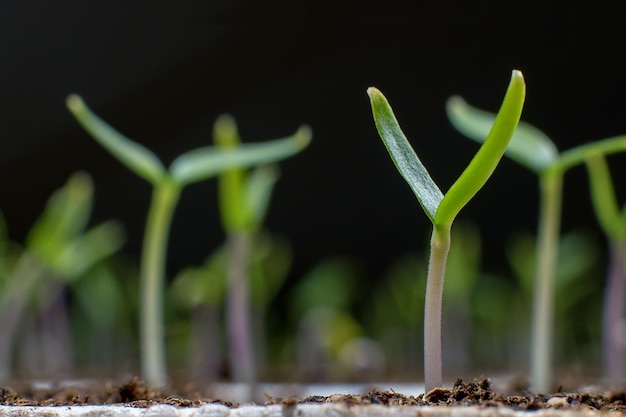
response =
{"points": [[59, 251], [194, 166], [199, 292], [613, 223], [320, 308], [533, 149], [244, 199], [442, 209], [575, 297]]}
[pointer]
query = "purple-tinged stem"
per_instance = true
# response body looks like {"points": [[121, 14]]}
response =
{"points": [[613, 315], [242, 364]]}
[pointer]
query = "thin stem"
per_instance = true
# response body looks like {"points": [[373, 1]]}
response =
{"points": [[23, 279], [579, 154], [242, 363], [551, 189], [439, 247], [153, 365], [613, 315]]}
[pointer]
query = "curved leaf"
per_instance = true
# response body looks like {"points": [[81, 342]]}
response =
{"points": [[603, 197], [486, 159], [203, 163], [403, 155], [136, 157], [259, 188], [529, 146]]}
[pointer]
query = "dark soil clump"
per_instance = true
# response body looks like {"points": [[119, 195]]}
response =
{"points": [[134, 393]]}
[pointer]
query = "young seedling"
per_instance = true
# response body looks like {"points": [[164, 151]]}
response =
{"points": [[60, 246], [613, 223], [533, 149], [194, 166], [244, 200], [442, 209]]}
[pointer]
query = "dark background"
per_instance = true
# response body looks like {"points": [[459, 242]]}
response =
{"points": [[164, 85]]}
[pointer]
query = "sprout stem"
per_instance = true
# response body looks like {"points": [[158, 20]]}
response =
{"points": [[439, 247], [551, 189], [242, 363], [613, 314], [13, 301], [152, 280]]}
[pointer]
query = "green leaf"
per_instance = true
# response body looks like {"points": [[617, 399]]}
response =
{"points": [[203, 163], [579, 154], [603, 197], [259, 190], [136, 157], [403, 155], [529, 146], [486, 159], [96, 244], [64, 218], [203, 285]]}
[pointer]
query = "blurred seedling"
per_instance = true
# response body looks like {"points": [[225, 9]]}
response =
{"points": [[244, 198], [320, 305], [191, 167], [574, 289], [533, 149], [59, 251], [201, 290], [613, 223], [442, 209]]}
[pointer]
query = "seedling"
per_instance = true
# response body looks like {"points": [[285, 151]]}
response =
{"points": [[58, 245], [194, 166], [533, 149], [442, 209], [244, 199], [613, 223]]}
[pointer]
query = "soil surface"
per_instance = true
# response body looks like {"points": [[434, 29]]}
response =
{"points": [[134, 393]]}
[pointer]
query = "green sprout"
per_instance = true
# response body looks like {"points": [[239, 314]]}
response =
{"points": [[441, 208], [59, 249], [533, 149], [613, 223], [193, 166], [244, 199]]}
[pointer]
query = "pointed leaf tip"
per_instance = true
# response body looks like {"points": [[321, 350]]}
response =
{"points": [[403, 156], [74, 102], [304, 135], [486, 159]]}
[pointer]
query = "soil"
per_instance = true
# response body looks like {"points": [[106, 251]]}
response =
{"points": [[134, 393]]}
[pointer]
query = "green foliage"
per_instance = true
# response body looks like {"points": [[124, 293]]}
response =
{"points": [[443, 209], [60, 251], [532, 148], [611, 218], [529, 146], [193, 166], [576, 260], [330, 284]]}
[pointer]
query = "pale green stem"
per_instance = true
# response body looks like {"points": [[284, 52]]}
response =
{"points": [[13, 300], [153, 364], [613, 315], [439, 247], [551, 189], [242, 364]]}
